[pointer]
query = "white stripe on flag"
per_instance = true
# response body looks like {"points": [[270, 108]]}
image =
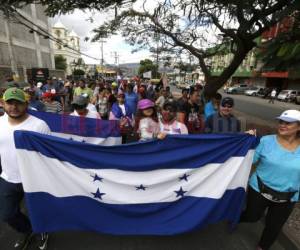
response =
{"points": [[62, 179], [109, 141]]}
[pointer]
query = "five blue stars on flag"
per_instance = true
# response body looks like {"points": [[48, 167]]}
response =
{"points": [[179, 193]]}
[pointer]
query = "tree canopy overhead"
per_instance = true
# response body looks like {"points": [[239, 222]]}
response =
{"points": [[201, 28], [197, 27], [56, 7]]}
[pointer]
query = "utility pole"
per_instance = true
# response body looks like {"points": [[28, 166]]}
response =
{"points": [[13, 63], [102, 59], [116, 55]]}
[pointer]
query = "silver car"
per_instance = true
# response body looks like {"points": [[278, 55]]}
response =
{"points": [[288, 95]]}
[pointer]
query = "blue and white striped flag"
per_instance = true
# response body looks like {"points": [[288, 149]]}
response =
{"points": [[95, 131], [159, 187]]}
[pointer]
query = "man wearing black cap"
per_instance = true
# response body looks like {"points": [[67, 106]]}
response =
{"points": [[223, 121]]}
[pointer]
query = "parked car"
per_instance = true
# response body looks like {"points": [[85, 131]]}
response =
{"points": [[288, 95], [253, 91], [264, 92], [237, 89]]}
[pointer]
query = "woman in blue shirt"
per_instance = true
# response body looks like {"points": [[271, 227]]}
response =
{"points": [[275, 184]]}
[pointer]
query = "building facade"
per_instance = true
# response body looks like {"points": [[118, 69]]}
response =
{"points": [[68, 45], [22, 46]]}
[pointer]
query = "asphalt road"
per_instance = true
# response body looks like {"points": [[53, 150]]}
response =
{"points": [[259, 107], [214, 237]]}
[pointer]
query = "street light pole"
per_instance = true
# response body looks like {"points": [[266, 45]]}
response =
{"points": [[102, 59]]}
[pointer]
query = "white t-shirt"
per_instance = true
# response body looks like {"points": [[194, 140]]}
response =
{"points": [[122, 107], [10, 167], [175, 128], [91, 107], [90, 114], [148, 129], [273, 93]]}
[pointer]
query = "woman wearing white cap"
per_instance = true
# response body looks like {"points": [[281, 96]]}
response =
{"points": [[275, 184]]}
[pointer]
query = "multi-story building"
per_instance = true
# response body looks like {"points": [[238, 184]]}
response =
{"points": [[276, 76], [243, 74], [68, 47], [257, 72], [22, 46]]}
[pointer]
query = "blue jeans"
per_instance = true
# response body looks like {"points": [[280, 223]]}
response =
{"points": [[11, 195]]}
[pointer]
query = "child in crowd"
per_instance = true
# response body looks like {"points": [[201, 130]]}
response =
{"points": [[148, 122]]}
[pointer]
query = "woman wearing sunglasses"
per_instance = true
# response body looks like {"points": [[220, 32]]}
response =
{"points": [[275, 184]]}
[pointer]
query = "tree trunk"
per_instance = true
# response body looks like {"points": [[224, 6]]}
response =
{"points": [[213, 84]]}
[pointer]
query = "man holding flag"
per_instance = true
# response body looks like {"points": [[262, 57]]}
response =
{"points": [[11, 189]]}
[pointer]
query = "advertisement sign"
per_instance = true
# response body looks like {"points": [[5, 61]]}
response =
{"points": [[40, 74]]}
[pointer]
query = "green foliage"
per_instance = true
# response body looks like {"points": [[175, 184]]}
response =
{"points": [[184, 26], [60, 62], [148, 65], [54, 7], [78, 72], [283, 52]]}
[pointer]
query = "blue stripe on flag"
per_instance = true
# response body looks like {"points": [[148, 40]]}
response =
{"points": [[49, 213], [174, 152], [86, 127]]}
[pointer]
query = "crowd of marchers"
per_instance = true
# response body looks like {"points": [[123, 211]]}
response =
{"points": [[150, 111]]}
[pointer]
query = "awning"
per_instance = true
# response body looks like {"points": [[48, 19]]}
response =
{"points": [[275, 74]]}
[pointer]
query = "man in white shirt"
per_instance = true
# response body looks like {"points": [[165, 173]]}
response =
{"points": [[11, 190], [272, 96]]}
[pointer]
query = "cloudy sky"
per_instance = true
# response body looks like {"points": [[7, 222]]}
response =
{"points": [[79, 22]]}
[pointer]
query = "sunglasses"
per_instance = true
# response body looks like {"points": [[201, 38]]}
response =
{"points": [[285, 122], [227, 106], [169, 110]]}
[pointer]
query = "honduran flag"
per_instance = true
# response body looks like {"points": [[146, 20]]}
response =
{"points": [[160, 187], [95, 131]]}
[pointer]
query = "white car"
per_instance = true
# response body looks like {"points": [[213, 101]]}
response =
{"points": [[253, 91], [288, 95]]}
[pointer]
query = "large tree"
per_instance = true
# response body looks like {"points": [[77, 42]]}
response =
{"points": [[60, 62], [191, 26], [197, 26], [54, 7], [148, 65]]}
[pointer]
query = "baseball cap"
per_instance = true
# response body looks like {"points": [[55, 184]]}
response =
{"points": [[291, 115], [14, 94], [80, 100], [39, 84], [48, 95], [227, 101]]}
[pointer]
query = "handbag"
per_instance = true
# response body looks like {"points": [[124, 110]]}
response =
{"points": [[273, 194]]}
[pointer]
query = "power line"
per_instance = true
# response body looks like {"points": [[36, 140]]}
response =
{"points": [[41, 31]]}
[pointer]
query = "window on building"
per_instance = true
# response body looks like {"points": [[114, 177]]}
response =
{"points": [[58, 33]]}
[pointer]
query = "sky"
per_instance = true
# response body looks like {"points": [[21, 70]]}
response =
{"points": [[79, 22]]}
